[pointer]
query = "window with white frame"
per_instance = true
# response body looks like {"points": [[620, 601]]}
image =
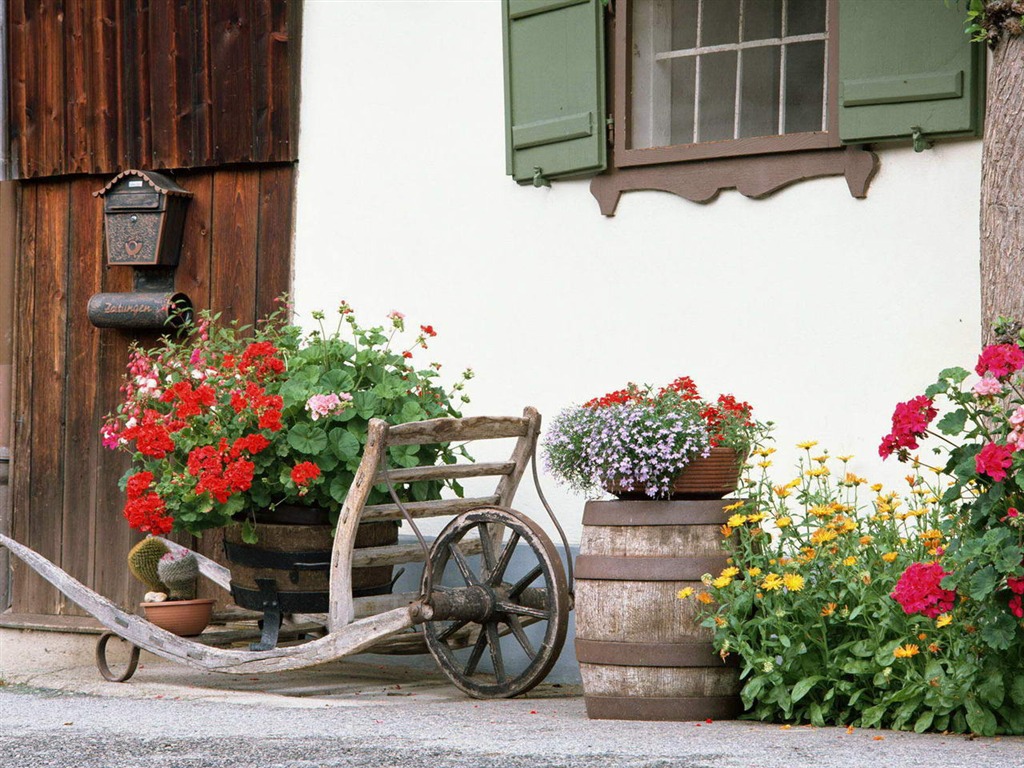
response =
{"points": [[728, 71]]}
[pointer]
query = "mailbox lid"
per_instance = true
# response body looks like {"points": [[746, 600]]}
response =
{"points": [[132, 195]]}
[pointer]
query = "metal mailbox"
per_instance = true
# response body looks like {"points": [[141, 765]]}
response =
{"points": [[144, 214]]}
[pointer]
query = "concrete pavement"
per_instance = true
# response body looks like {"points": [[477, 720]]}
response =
{"points": [[55, 710]]}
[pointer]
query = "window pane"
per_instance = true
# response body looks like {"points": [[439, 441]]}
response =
{"points": [[805, 65], [805, 17], [762, 19], [684, 76], [684, 24], [721, 22], [759, 95], [717, 95]]}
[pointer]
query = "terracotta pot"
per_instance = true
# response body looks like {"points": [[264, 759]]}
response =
{"points": [[186, 618], [712, 477]]}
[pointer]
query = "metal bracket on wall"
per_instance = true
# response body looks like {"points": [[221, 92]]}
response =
{"points": [[920, 142], [538, 178]]}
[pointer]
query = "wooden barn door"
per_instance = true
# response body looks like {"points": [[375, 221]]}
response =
{"points": [[205, 90], [236, 257]]}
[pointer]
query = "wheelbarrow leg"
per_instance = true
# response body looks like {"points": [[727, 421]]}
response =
{"points": [[272, 617], [104, 668]]}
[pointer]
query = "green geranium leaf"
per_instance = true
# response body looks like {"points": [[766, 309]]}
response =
{"points": [[249, 533], [982, 583], [411, 411], [956, 374], [344, 444], [308, 439], [936, 389], [991, 690], [999, 633], [1017, 690], [339, 489], [953, 423], [366, 404]]}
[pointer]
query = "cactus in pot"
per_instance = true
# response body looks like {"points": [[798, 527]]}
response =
{"points": [[179, 571], [143, 561]]}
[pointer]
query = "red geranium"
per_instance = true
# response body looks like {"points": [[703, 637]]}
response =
{"points": [[305, 473]]}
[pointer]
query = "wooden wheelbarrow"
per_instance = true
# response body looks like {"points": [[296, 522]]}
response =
{"points": [[466, 603]]}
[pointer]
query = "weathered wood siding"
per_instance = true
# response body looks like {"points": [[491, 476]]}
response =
{"points": [[236, 258], [100, 86]]}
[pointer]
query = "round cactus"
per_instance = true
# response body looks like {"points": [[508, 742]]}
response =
{"points": [[142, 562]]}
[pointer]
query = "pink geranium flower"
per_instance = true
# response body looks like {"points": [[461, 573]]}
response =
{"points": [[910, 421], [988, 385], [320, 406]]}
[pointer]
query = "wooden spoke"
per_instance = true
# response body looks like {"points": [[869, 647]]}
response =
{"points": [[517, 630], [487, 550], [451, 629], [521, 610], [476, 654], [498, 572], [463, 565], [526, 581], [494, 643]]}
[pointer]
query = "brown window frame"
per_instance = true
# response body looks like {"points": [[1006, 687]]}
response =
{"points": [[790, 142], [757, 166]]}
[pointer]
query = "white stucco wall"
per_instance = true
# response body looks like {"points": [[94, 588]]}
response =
{"points": [[821, 310]]}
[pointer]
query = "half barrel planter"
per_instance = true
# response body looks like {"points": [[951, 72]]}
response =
{"points": [[642, 653]]}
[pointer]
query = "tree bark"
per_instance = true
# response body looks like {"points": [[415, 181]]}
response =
{"points": [[1002, 188]]}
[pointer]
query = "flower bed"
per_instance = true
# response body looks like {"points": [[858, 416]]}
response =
{"points": [[901, 610]]}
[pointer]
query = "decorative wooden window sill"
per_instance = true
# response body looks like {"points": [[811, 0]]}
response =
{"points": [[755, 176]]}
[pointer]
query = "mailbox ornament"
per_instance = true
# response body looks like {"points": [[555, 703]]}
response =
{"points": [[145, 216]]}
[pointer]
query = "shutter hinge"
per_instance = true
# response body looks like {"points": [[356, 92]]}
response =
{"points": [[920, 142], [538, 178], [610, 128]]}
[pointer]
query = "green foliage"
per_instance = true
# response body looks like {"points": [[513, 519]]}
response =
{"points": [[224, 419], [809, 612]]}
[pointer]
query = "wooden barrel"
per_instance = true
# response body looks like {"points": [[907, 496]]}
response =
{"points": [[293, 551], [642, 653]]}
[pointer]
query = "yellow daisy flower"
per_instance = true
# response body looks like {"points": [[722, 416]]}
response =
{"points": [[684, 593], [807, 445], [721, 582], [850, 560], [731, 572], [705, 598], [782, 522], [755, 571], [734, 507], [793, 582], [943, 620], [889, 556], [771, 582]]}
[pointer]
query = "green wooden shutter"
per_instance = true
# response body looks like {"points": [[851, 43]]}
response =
{"points": [[906, 65], [554, 88]]}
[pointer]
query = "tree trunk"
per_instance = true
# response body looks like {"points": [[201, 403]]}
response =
{"points": [[1002, 188]]}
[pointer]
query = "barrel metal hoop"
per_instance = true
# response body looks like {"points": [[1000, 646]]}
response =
{"points": [[623, 654], [667, 708], [638, 568], [258, 557], [651, 512]]}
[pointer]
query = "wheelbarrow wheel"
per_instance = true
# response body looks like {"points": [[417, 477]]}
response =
{"points": [[510, 636]]}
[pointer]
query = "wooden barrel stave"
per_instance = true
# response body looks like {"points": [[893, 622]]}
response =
{"points": [[642, 653]]}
